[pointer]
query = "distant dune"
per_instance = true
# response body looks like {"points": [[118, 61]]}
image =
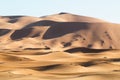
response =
{"points": [[62, 46]]}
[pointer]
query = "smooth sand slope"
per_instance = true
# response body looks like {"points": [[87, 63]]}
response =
{"points": [[59, 47]]}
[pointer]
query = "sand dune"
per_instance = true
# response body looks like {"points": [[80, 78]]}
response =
{"points": [[62, 46], [66, 67]]}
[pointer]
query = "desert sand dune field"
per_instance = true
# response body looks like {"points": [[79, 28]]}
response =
{"points": [[62, 46]]}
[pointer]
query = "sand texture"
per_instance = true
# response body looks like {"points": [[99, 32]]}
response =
{"points": [[62, 46]]}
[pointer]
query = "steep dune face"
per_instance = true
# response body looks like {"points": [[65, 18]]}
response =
{"points": [[89, 35], [63, 30], [59, 47]]}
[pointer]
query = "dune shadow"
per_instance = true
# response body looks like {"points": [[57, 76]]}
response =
{"points": [[13, 21], [45, 68], [18, 34], [12, 17], [32, 48], [115, 60], [41, 23], [25, 31], [86, 50], [4, 31], [55, 30], [87, 64], [58, 29], [63, 28], [61, 13]]}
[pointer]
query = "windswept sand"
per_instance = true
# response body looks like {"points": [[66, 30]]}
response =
{"points": [[59, 47], [60, 66]]}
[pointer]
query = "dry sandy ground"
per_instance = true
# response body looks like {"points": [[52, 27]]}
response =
{"points": [[60, 66], [59, 47]]}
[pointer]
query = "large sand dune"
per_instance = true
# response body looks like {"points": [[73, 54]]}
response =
{"points": [[59, 47]]}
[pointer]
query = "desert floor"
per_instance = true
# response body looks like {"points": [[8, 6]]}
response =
{"points": [[31, 65]]}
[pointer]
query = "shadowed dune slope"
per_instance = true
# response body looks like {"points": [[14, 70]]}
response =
{"points": [[77, 31], [59, 47]]}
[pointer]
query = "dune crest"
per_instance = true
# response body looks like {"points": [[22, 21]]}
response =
{"points": [[61, 46], [74, 29]]}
